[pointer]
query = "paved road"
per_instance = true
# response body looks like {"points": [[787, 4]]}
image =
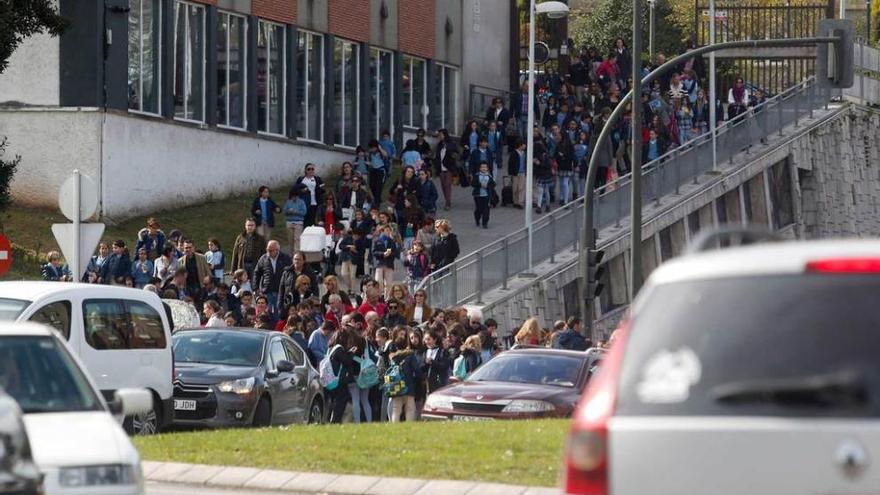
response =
{"points": [[502, 221], [171, 489]]}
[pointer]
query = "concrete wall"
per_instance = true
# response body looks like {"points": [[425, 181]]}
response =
{"points": [[486, 54], [383, 31], [32, 76], [51, 143], [448, 48], [187, 165], [312, 14]]}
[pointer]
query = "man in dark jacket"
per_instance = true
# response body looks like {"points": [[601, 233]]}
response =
{"points": [[267, 274], [287, 284], [516, 168], [114, 270], [570, 338], [480, 155], [393, 315], [248, 247]]}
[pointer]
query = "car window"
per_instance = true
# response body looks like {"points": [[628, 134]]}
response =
{"points": [[539, 369], [147, 331], [55, 315], [113, 324], [277, 353], [11, 308], [755, 346], [296, 354], [42, 377], [223, 347]]}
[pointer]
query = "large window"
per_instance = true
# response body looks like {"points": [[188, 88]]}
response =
{"points": [[415, 80], [189, 61], [144, 49], [271, 78], [381, 95], [310, 86], [446, 104], [231, 70], [122, 324], [347, 93]]}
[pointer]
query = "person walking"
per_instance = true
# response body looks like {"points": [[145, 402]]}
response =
{"points": [[446, 247], [516, 169], [385, 251], [142, 269], [377, 169], [315, 187], [267, 274], [483, 189], [264, 209], [446, 165], [295, 211], [247, 249]]}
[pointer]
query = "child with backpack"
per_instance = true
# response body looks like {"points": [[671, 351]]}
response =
{"points": [[400, 381], [470, 358], [336, 371], [367, 376]]}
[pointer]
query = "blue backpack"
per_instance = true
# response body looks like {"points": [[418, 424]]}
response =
{"points": [[369, 375], [395, 384]]}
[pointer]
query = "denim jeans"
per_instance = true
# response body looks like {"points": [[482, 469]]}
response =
{"points": [[543, 196], [565, 186], [360, 400]]}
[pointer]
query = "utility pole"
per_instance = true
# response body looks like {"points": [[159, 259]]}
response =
{"points": [[713, 91], [635, 246]]}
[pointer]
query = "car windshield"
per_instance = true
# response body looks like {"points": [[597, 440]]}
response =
{"points": [[42, 377], [11, 308], [775, 345], [229, 347], [539, 369]]}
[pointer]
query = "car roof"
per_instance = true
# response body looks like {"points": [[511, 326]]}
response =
{"points": [[24, 329], [31, 290], [256, 331], [548, 351], [760, 259]]}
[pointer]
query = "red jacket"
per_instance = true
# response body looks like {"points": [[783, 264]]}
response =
{"points": [[331, 316], [365, 308], [609, 70]]}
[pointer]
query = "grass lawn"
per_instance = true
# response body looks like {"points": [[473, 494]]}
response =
{"points": [[516, 452]]}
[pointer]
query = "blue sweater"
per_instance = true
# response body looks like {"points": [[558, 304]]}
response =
{"points": [[295, 210]]}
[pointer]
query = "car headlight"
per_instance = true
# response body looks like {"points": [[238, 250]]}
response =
{"points": [[528, 406], [113, 474], [437, 401], [241, 386]]}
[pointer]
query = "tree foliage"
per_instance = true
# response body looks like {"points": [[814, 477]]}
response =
{"points": [[7, 172], [20, 19], [599, 24]]}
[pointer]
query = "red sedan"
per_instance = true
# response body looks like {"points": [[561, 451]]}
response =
{"points": [[517, 384]]}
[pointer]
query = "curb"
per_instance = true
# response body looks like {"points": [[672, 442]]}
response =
{"points": [[292, 482]]}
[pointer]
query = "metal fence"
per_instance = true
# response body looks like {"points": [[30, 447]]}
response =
{"points": [[480, 99], [866, 87], [470, 276]]}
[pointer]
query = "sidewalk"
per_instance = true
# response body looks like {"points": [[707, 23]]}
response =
{"points": [[502, 220], [291, 482]]}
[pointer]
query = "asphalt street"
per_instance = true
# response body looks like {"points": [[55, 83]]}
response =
{"points": [[171, 489]]}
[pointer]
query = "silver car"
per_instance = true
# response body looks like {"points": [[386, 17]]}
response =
{"points": [[751, 370]]}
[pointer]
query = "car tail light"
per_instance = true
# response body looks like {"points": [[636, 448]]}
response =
{"points": [[586, 453], [845, 265]]}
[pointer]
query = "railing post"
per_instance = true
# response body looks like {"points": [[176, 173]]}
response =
{"points": [[455, 298], [812, 97], [675, 155], [479, 276], [619, 207], [797, 111], [552, 238], [779, 111], [505, 253]]}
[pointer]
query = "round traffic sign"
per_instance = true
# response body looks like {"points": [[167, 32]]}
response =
{"points": [[88, 197], [5, 255]]}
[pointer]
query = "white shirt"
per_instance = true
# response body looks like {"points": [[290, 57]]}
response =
{"points": [[418, 311], [273, 261], [432, 353], [215, 321], [312, 184], [442, 159]]}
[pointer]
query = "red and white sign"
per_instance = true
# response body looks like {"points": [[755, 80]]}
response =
{"points": [[5, 255]]}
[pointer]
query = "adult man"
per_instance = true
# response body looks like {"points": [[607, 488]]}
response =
{"points": [[521, 108], [570, 338], [372, 291], [338, 309], [176, 284], [196, 266], [287, 284], [267, 274], [118, 266], [579, 74], [248, 248], [516, 168], [500, 115], [393, 316], [318, 340]]}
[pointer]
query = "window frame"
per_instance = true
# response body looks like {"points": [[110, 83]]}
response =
{"points": [[284, 81], [244, 65], [354, 46], [378, 53], [322, 76], [272, 361], [416, 113], [294, 353], [125, 305], [67, 306], [140, 110], [188, 54], [443, 68]]}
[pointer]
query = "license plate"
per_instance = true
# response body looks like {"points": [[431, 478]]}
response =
{"points": [[471, 418], [184, 405]]}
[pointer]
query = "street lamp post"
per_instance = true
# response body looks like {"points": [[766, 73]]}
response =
{"points": [[553, 10], [652, 4]]}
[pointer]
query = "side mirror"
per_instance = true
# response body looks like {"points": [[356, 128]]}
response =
{"points": [[284, 366], [131, 401]]}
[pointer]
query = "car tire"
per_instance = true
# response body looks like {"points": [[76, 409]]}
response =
{"points": [[263, 413], [316, 413], [145, 423]]}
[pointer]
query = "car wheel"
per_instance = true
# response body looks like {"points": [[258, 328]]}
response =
{"points": [[263, 413], [316, 413], [144, 423]]}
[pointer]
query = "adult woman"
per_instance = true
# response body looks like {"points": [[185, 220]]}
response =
{"points": [[165, 265], [342, 347], [470, 352], [529, 333], [331, 286], [302, 290], [407, 184], [419, 312], [410, 220], [328, 214], [343, 183], [437, 363], [142, 269], [446, 165], [701, 114], [446, 247], [737, 99], [400, 293], [315, 187]]}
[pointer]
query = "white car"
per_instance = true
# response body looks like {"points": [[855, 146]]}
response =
{"points": [[751, 370], [77, 443], [122, 336]]}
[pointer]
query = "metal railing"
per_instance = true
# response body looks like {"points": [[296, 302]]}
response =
{"points": [[492, 266], [480, 99], [866, 87]]}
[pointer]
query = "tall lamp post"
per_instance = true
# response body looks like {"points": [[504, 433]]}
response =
{"points": [[652, 4], [553, 10]]}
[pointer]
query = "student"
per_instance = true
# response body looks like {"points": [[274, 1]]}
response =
{"points": [[240, 283], [483, 188], [404, 357], [427, 192], [263, 210], [295, 211], [216, 260], [437, 367]]}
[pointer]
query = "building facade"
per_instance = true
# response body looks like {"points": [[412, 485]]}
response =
{"points": [[171, 102]]}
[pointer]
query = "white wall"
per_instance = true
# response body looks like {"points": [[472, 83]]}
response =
{"points": [[51, 142], [152, 164], [32, 75], [486, 40]]}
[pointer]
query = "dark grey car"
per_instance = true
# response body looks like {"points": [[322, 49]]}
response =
{"points": [[237, 377]]}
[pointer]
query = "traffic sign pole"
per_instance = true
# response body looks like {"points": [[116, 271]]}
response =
{"points": [[77, 201]]}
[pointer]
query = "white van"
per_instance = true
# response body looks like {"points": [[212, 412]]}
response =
{"points": [[75, 439], [121, 335]]}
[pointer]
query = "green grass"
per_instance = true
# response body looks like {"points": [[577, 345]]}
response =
{"points": [[515, 452]]}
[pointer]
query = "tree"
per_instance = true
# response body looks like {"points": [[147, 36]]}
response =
{"points": [[20, 19], [7, 171]]}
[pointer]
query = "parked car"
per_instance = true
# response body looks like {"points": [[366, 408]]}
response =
{"points": [[746, 370], [122, 336], [76, 441], [516, 384], [237, 377], [19, 473]]}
